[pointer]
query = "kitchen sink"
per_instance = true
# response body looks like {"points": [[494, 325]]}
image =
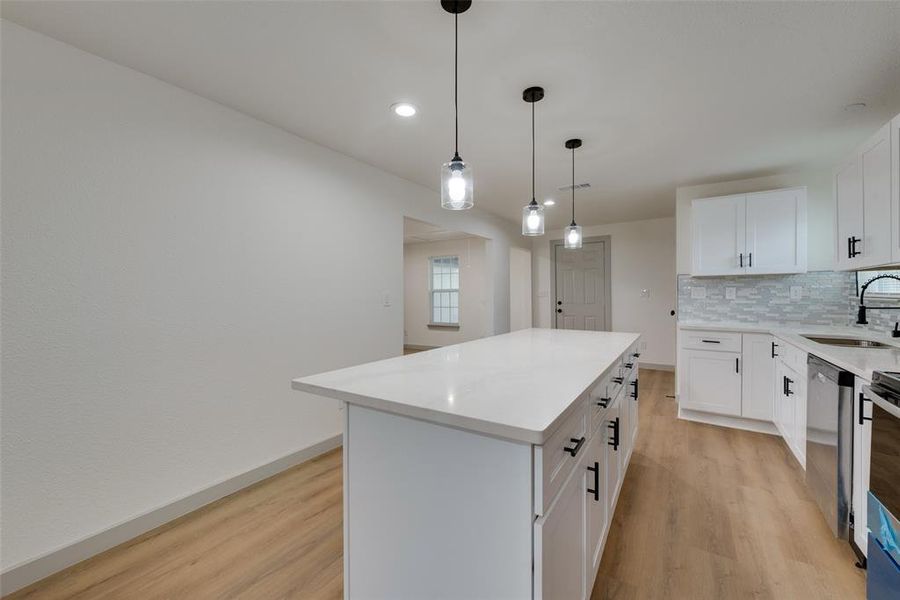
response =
{"points": [[846, 342]]}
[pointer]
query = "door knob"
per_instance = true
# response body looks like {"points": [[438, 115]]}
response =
{"points": [[559, 310], [559, 302]]}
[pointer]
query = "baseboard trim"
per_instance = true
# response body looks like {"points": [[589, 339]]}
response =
{"points": [[726, 421], [657, 366], [24, 574]]}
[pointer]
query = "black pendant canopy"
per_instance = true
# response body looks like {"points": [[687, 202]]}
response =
{"points": [[455, 7]]}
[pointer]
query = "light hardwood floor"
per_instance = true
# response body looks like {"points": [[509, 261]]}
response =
{"points": [[710, 513]]}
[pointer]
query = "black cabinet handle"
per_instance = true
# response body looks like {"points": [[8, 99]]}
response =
{"points": [[852, 252], [750, 258], [574, 449], [629, 365], [862, 409], [617, 380], [787, 386], [741, 258], [737, 364], [711, 341], [596, 490], [603, 402], [614, 442], [636, 355], [634, 393], [774, 345]]}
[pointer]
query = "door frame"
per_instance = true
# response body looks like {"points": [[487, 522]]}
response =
{"points": [[555, 246]]}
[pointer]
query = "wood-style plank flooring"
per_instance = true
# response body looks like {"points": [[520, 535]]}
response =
{"points": [[711, 513]]}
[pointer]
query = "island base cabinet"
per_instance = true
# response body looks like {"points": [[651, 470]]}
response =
{"points": [[559, 542], [437, 512]]}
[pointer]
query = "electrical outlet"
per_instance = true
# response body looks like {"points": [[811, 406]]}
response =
{"points": [[698, 292], [796, 292], [645, 293], [730, 293]]}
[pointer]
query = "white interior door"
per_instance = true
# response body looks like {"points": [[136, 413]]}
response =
{"points": [[582, 287]]}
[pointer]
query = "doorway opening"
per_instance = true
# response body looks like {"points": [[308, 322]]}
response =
{"points": [[581, 293], [446, 288]]}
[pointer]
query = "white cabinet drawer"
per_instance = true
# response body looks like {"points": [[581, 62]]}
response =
{"points": [[599, 402], [720, 341], [793, 357], [557, 457]]}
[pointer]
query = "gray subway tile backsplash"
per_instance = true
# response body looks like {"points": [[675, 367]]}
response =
{"points": [[826, 298]]}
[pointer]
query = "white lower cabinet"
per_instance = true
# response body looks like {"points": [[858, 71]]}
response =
{"points": [[789, 407], [862, 451], [758, 376], [559, 542], [712, 381], [570, 534]]}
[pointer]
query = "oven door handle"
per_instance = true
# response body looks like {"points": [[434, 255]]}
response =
{"points": [[880, 402]]}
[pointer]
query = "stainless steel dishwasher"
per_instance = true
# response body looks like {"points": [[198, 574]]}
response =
{"points": [[829, 442]]}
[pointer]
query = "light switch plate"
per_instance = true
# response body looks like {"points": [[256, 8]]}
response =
{"points": [[730, 293], [698, 292], [796, 292]]}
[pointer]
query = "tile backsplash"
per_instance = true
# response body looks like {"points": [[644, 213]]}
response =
{"points": [[825, 298]]}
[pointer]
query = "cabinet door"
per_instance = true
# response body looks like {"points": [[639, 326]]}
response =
{"points": [[613, 456], [597, 504], [875, 165], [758, 377], [776, 232], [862, 449], [849, 211], [799, 404], [718, 228], [559, 542], [712, 382]]}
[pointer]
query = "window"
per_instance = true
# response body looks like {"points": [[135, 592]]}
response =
{"points": [[444, 290], [883, 288]]}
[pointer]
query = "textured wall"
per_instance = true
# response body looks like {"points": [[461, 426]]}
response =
{"points": [[827, 298]]}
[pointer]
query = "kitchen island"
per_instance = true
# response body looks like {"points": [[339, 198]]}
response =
{"points": [[489, 469]]}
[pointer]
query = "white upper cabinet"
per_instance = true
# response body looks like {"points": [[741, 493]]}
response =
{"points": [[867, 205], [776, 232], [718, 232], [749, 234]]}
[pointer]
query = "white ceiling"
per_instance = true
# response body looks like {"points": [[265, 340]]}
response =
{"points": [[418, 231], [663, 94]]}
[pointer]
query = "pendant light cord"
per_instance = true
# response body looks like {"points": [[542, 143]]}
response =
{"points": [[573, 186], [456, 78], [532, 152]]}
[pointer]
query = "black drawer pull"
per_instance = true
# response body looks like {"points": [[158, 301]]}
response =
{"points": [[774, 345], [629, 365], [862, 409], [603, 402], [634, 393], [787, 386], [614, 442], [574, 449], [711, 341], [596, 491], [618, 380], [636, 355]]}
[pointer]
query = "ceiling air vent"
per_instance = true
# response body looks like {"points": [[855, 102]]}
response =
{"points": [[577, 186]]}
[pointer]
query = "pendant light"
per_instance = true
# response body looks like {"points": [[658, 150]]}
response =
{"points": [[573, 232], [456, 176], [533, 213]]}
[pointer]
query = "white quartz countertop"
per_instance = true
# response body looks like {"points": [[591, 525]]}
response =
{"points": [[859, 361], [518, 385]]}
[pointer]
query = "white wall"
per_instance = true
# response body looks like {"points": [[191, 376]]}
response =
{"points": [[820, 212], [168, 265], [520, 311], [643, 257], [473, 292]]}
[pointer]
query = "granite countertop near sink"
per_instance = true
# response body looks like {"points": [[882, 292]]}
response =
{"points": [[859, 361]]}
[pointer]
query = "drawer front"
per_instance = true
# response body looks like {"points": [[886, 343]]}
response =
{"points": [[793, 357], [599, 402], [558, 456], [720, 341]]}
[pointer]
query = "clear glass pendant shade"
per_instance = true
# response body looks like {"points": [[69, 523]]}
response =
{"points": [[573, 236], [456, 186], [533, 219]]}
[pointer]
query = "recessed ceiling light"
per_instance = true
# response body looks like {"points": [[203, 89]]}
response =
{"points": [[403, 109], [549, 202], [855, 106]]}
